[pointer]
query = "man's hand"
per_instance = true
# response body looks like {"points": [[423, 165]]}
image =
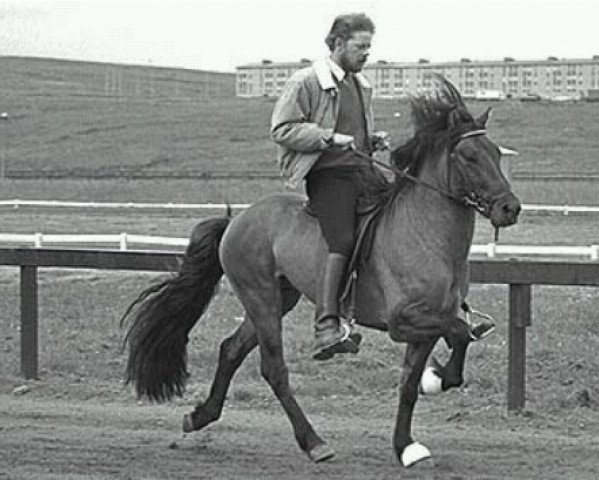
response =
{"points": [[380, 141], [342, 141]]}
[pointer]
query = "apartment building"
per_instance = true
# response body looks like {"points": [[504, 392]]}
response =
{"points": [[552, 78]]}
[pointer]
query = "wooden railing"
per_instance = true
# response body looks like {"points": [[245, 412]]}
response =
{"points": [[519, 275]]}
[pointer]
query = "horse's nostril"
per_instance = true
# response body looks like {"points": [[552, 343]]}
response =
{"points": [[511, 207]]}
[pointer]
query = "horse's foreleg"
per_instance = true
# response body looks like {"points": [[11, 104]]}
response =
{"points": [[408, 451], [452, 373], [233, 351]]}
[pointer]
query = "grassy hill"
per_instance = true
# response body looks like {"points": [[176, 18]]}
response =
{"points": [[79, 118]]}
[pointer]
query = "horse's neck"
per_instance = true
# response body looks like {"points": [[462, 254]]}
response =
{"points": [[433, 219]]}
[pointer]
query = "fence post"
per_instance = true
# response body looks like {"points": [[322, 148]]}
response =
{"points": [[29, 323], [520, 318], [123, 241]]}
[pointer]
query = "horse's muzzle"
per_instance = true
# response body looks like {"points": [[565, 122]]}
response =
{"points": [[505, 210]]}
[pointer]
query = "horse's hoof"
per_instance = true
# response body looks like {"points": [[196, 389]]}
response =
{"points": [[430, 383], [188, 423], [415, 452], [356, 338], [320, 453]]}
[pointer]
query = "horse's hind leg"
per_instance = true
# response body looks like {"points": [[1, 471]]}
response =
{"points": [[233, 351], [275, 373], [263, 304]]}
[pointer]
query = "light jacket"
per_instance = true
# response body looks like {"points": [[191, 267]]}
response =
{"points": [[306, 114]]}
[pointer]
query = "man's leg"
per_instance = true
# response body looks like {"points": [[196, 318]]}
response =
{"points": [[330, 336], [333, 201]]}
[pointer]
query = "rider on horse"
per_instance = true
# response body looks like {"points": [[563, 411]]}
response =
{"points": [[323, 127]]}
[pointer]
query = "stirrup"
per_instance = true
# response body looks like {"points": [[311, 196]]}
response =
{"points": [[347, 343], [350, 324], [481, 330]]}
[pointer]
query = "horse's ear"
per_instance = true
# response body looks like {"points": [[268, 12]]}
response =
{"points": [[507, 151], [484, 118]]}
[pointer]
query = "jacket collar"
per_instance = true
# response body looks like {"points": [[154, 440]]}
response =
{"points": [[325, 71]]}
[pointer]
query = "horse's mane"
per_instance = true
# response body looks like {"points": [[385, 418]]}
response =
{"points": [[433, 131]]}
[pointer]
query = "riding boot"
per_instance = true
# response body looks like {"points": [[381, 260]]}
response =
{"points": [[330, 336]]}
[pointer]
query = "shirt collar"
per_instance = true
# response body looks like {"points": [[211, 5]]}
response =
{"points": [[336, 70]]}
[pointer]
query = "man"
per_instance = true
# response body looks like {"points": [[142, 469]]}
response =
{"points": [[323, 115]]}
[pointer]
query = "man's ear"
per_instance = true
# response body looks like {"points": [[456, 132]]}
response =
{"points": [[339, 43]]}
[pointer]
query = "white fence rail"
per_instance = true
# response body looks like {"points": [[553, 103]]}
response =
{"points": [[16, 204], [492, 250], [564, 209], [125, 241]]}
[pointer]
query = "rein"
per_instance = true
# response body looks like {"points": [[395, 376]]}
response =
{"points": [[468, 201]]}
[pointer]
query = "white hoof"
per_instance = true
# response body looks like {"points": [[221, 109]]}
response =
{"points": [[414, 453], [431, 382]]}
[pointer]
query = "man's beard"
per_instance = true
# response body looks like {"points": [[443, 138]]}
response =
{"points": [[349, 67]]}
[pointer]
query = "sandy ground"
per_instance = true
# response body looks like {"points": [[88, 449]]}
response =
{"points": [[79, 422], [79, 440]]}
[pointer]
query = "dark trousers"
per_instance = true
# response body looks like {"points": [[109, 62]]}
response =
{"points": [[333, 197]]}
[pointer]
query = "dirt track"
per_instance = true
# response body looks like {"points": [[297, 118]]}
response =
{"points": [[56, 439], [78, 422]]}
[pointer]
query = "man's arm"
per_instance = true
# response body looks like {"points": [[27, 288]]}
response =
{"points": [[290, 124]]}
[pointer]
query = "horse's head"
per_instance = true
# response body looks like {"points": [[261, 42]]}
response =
{"points": [[474, 173], [467, 162]]}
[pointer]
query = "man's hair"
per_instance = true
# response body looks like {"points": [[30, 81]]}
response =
{"points": [[345, 25]]}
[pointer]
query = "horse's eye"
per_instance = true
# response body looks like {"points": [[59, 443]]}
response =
{"points": [[470, 157]]}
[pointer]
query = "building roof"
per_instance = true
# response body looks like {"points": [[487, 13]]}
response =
{"points": [[423, 63], [270, 64]]}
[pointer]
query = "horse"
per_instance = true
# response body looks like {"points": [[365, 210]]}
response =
{"points": [[411, 286]]}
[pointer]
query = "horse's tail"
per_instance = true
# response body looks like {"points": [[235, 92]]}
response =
{"points": [[164, 313]]}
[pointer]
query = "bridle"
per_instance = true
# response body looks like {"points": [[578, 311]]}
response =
{"points": [[470, 200]]}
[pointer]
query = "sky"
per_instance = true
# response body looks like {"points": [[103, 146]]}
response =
{"points": [[223, 34]]}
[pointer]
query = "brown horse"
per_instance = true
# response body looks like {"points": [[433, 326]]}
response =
{"points": [[412, 285]]}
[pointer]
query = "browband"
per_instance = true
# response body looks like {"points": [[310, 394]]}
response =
{"points": [[473, 133]]}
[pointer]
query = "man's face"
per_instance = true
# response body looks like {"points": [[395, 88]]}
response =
{"points": [[353, 52]]}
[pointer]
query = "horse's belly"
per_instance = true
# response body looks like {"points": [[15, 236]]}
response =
{"points": [[413, 301]]}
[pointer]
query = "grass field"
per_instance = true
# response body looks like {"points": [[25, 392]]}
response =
{"points": [[62, 117]]}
